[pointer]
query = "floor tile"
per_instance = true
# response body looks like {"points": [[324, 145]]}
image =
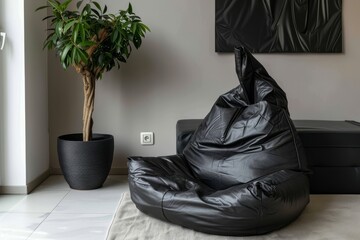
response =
{"points": [[73, 226], [19, 225], [7, 202], [54, 183], [99, 201], [102, 200], [55, 211], [39, 202]]}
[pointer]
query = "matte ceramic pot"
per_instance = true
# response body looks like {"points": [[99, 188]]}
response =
{"points": [[85, 165]]}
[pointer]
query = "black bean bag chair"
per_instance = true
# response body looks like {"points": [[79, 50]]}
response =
{"points": [[243, 171]]}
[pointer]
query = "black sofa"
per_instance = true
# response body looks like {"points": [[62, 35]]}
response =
{"points": [[332, 149]]}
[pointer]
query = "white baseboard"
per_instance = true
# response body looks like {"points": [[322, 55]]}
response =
{"points": [[18, 190], [37, 181], [25, 189]]}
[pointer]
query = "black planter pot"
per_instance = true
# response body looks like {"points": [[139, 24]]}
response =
{"points": [[85, 165]]}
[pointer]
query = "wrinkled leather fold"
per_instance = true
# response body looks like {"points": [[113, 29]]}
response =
{"points": [[248, 132], [241, 173], [266, 26], [257, 207]]}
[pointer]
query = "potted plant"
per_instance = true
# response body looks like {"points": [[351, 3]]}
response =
{"points": [[92, 41]]}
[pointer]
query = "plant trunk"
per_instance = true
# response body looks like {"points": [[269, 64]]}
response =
{"points": [[89, 97]]}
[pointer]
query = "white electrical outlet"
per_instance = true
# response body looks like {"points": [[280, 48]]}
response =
{"points": [[147, 138]]}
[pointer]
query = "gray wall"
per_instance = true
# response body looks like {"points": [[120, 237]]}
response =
{"points": [[176, 74], [36, 91]]}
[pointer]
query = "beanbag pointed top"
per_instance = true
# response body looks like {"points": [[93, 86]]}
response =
{"points": [[246, 64], [255, 82]]}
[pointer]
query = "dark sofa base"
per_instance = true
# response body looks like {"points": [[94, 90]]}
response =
{"points": [[335, 180]]}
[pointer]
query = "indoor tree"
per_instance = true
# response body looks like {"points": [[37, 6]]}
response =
{"points": [[92, 41]]}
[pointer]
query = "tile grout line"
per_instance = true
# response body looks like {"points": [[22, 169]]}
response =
{"points": [[47, 216]]}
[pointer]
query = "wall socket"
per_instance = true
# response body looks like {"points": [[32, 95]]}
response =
{"points": [[147, 138]]}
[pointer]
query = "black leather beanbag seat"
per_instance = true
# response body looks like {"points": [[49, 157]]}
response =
{"points": [[242, 172]]}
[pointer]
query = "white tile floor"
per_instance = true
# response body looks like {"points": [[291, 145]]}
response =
{"points": [[53, 211]]}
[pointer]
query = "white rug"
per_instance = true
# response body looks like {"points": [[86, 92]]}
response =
{"points": [[326, 217]]}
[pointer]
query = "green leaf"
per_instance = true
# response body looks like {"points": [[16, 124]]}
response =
{"points": [[133, 28], [65, 52], [96, 12], [137, 41], [145, 27], [130, 36], [86, 44], [73, 54], [86, 10], [42, 7], [114, 36], [101, 59], [65, 4], [105, 9], [129, 9], [82, 32], [55, 5], [59, 28], [121, 58], [76, 32], [69, 25], [123, 13], [47, 45], [49, 36], [47, 18], [122, 32], [127, 23], [78, 4], [83, 55], [54, 39], [97, 5]]}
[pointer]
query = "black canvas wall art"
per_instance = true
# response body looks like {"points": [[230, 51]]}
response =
{"points": [[265, 26]]}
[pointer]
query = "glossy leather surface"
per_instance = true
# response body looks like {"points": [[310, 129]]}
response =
{"points": [[332, 150], [165, 188], [279, 25], [248, 132], [242, 172]]}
